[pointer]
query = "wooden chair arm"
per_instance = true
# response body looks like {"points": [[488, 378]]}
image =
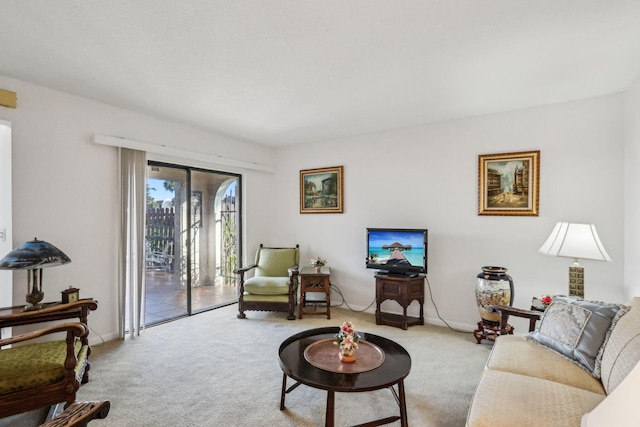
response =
{"points": [[294, 271], [243, 270], [78, 414], [76, 329], [506, 311]]}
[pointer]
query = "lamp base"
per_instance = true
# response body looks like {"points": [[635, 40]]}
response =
{"points": [[32, 307], [576, 281]]}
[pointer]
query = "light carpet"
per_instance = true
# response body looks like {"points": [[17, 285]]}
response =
{"points": [[213, 369]]}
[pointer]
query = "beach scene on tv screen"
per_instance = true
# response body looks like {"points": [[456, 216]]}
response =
{"points": [[399, 248]]}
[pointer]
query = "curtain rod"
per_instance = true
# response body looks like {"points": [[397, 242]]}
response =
{"points": [[116, 141]]}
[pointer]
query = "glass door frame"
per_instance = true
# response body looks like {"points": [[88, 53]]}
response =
{"points": [[188, 238]]}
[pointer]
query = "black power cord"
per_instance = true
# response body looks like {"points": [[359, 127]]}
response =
{"points": [[438, 313], [344, 302]]}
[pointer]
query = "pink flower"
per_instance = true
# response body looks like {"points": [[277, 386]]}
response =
{"points": [[348, 343], [347, 328], [546, 300]]}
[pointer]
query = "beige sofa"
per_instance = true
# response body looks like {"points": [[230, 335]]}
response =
{"points": [[526, 384]]}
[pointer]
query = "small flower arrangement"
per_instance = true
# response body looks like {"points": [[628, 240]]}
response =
{"points": [[546, 300], [348, 337], [318, 262]]}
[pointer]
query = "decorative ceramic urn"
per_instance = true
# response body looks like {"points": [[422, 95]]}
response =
{"points": [[493, 287]]}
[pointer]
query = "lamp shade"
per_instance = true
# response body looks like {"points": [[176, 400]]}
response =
{"points": [[32, 255], [575, 240]]}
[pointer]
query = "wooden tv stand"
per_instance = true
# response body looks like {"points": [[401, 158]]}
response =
{"points": [[403, 290]]}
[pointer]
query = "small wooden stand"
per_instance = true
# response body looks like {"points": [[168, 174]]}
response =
{"points": [[403, 290], [489, 332], [312, 280]]}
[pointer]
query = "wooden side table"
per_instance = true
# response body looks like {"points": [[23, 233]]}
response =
{"points": [[403, 290], [15, 316], [313, 281]]}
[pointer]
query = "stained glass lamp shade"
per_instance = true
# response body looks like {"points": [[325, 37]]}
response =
{"points": [[33, 256]]}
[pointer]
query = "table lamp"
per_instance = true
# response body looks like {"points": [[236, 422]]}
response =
{"points": [[33, 256], [577, 241]]}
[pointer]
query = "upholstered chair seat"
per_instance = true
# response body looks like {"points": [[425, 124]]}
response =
{"points": [[37, 375], [33, 365]]}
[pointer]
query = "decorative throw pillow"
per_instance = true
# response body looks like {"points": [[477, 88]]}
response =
{"points": [[578, 330]]}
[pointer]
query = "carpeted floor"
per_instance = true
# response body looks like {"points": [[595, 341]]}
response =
{"points": [[213, 369]]}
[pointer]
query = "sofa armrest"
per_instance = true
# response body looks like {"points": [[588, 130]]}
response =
{"points": [[506, 311]]}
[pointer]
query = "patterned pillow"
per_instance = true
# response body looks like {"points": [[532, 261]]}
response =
{"points": [[578, 330]]}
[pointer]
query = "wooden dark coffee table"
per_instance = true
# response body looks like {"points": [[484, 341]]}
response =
{"points": [[395, 366]]}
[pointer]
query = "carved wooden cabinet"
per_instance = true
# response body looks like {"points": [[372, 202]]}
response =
{"points": [[404, 290]]}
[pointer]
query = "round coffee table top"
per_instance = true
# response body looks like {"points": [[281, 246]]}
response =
{"points": [[395, 364]]}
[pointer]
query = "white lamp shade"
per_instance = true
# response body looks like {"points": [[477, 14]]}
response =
{"points": [[575, 240]]}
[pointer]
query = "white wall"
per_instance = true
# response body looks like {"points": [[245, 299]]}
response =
{"points": [[632, 196], [64, 191], [428, 177], [65, 187], [6, 276]]}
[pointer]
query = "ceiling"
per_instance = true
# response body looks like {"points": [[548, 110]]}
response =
{"points": [[280, 72]]}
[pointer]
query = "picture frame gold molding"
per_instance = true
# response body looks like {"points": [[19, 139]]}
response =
{"points": [[509, 184], [321, 190]]}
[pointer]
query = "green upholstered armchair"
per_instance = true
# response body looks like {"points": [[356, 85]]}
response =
{"points": [[41, 374], [274, 284]]}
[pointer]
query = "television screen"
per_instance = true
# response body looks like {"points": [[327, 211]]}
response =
{"points": [[397, 250]]}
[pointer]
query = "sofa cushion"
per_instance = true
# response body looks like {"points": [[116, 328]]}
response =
{"points": [[284, 299], [622, 351], [519, 356], [265, 285], [578, 330], [36, 364], [503, 399]]}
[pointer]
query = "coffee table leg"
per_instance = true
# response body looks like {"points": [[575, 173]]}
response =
{"points": [[403, 404], [328, 417], [284, 386]]}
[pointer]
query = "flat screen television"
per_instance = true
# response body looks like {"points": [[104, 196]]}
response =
{"points": [[401, 251]]}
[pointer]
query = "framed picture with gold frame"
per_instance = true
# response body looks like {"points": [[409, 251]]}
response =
{"points": [[509, 184], [321, 190]]}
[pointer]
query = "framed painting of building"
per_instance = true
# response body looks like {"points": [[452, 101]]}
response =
{"points": [[321, 190], [509, 184]]}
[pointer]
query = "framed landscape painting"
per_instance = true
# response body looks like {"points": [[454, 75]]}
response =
{"points": [[321, 190], [509, 183]]}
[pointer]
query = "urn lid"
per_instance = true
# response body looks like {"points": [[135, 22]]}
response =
{"points": [[494, 270]]}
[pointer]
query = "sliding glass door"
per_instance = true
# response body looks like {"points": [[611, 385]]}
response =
{"points": [[192, 234]]}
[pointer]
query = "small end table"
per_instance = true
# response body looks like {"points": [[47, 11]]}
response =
{"points": [[403, 290], [314, 281]]}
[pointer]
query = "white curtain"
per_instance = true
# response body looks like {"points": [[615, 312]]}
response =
{"points": [[131, 247]]}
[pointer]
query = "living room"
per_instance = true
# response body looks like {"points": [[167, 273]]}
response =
{"points": [[65, 188]]}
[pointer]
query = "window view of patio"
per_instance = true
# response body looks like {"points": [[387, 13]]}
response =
{"points": [[192, 229]]}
